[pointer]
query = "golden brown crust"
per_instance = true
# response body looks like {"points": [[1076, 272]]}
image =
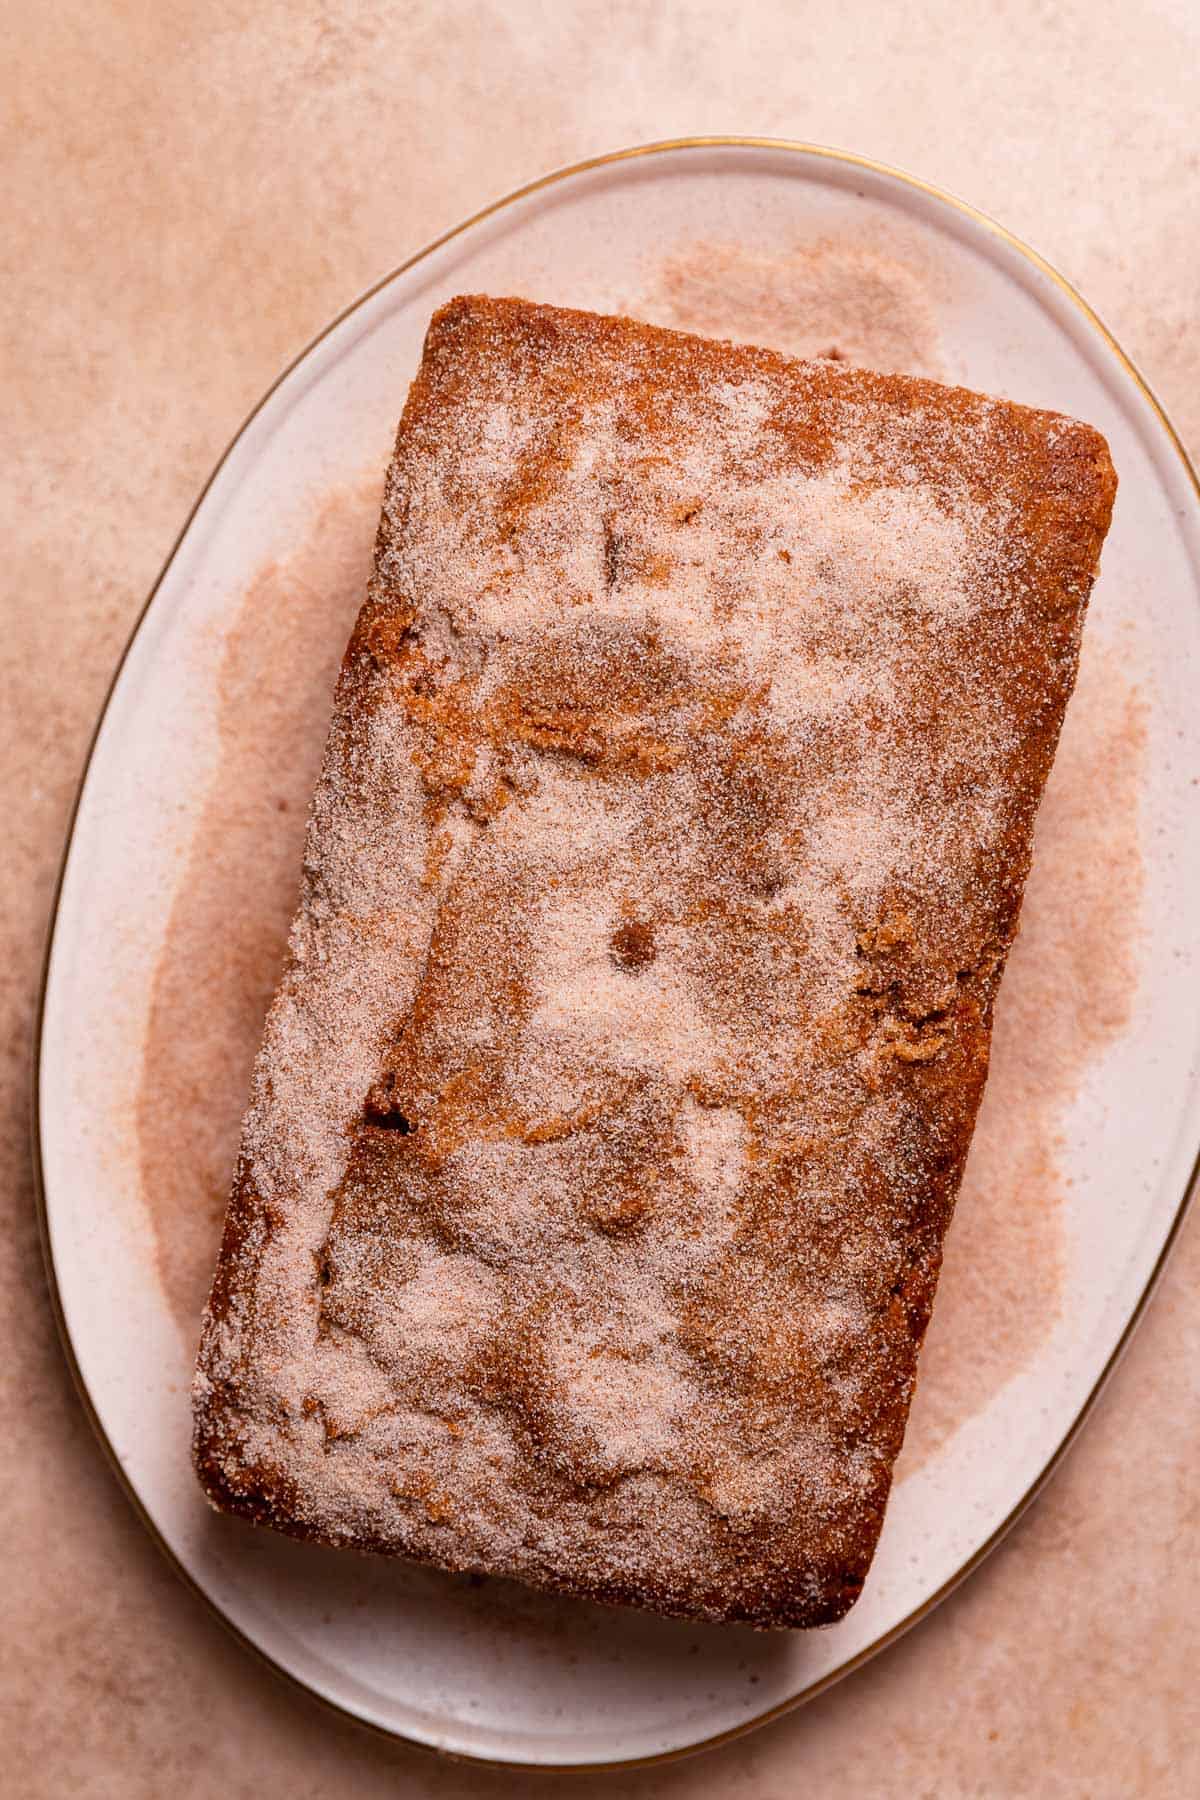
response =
{"points": [[671, 838]]}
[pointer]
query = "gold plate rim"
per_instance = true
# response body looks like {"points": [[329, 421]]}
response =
{"points": [[825, 153]]}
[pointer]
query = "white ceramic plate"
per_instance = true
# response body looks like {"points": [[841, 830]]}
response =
{"points": [[491, 1671]]}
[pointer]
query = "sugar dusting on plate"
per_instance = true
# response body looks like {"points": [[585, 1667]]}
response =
{"points": [[1067, 995], [837, 295], [227, 932]]}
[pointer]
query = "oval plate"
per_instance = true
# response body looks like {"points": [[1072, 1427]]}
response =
{"points": [[493, 1672]]}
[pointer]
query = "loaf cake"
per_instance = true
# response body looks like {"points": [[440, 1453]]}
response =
{"points": [[669, 842]]}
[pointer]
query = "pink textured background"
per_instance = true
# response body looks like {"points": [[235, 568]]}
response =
{"points": [[192, 191]]}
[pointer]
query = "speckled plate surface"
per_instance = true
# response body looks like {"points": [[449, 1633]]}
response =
{"points": [[813, 251]]}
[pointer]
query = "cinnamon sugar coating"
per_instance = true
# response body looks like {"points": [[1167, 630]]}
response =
{"points": [[669, 843]]}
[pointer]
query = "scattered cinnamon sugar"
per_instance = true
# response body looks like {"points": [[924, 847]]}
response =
{"points": [[228, 927], [841, 297], [1067, 994]]}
